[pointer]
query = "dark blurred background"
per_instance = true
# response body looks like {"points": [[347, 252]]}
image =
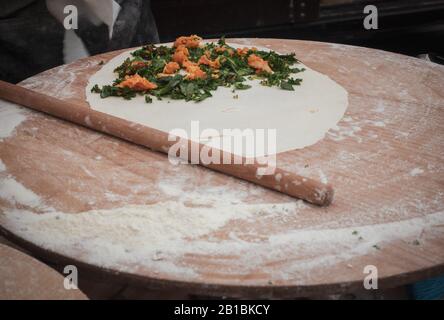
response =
{"points": [[410, 27]]}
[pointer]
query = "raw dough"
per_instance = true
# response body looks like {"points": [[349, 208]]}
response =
{"points": [[301, 117]]}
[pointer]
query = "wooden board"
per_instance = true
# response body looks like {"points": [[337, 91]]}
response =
{"points": [[385, 161], [24, 278]]}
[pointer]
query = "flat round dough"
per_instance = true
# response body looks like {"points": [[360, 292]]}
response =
{"points": [[301, 117]]}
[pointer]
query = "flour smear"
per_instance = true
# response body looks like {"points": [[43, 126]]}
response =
{"points": [[11, 115], [158, 237]]}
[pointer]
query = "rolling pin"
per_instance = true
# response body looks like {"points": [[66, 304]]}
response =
{"points": [[281, 180]]}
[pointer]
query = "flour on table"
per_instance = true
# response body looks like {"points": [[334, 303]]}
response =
{"points": [[11, 115], [323, 177], [134, 234], [380, 108], [158, 237], [290, 112], [416, 172], [16, 193]]}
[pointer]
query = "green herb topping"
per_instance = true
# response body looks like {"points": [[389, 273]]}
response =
{"points": [[191, 70]]}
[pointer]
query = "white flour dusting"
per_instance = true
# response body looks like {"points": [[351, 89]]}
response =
{"points": [[88, 172], [10, 117], [154, 236], [380, 108], [111, 196], [2, 166], [157, 237], [343, 132], [327, 247], [416, 172], [350, 128], [14, 192], [379, 123], [323, 177], [135, 234]]}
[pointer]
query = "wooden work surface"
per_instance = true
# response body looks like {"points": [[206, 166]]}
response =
{"points": [[22, 277], [385, 160]]}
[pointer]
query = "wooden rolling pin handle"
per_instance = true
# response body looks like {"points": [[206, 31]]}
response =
{"points": [[283, 181]]}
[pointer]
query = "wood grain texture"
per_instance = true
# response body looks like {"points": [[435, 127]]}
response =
{"points": [[385, 160]]}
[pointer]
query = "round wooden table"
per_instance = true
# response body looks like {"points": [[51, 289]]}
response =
{"points": [[96, 201]]}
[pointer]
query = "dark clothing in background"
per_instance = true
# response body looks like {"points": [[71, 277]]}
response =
{"points": [[31, 39], [135, 25]]}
